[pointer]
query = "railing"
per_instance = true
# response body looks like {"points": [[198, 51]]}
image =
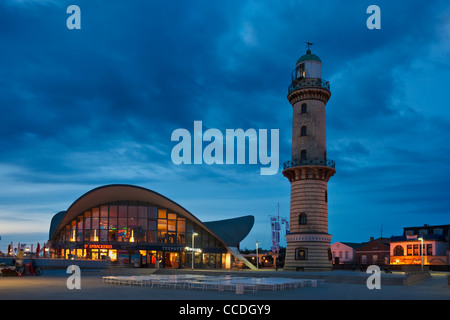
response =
{"points": [[311, 162], [308, 83]]}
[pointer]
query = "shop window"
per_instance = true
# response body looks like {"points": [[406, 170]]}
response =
{"points": [[95, 218], [94, 235], [142, 212], [122, 211], [181, 230], [132, 212], [104, 235], [141, 230], [80, 228], [112, 235], [172, 225], [429, 249], [152, 213], [87, 220], [112, 223], [87, 235], [152, 236], [104, 223], [73, 230], [152, 225], [162, 214], [104, 212], [409, 251], [112, 211]]}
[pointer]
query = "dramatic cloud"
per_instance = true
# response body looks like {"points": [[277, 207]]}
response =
{"points": [[83, 108]]}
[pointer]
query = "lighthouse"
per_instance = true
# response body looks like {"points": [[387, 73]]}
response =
{"points": [[308, 171]]}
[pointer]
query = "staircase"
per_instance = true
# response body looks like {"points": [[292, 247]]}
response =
{"points": [[235, 252]]}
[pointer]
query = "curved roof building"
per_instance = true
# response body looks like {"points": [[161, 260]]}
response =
{"points": [[130, 224]]}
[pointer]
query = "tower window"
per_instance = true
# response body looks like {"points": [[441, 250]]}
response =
{"points": [[303, 155], [302, 218], [301, 254], [300, 71], [326, 196], [303, 131], [304, 108]]}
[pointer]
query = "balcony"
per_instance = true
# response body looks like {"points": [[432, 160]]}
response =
{"points": [[308, 83], [311, 162]]}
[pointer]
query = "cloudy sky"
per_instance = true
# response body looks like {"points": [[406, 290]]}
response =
{"points": [[95, 106]]}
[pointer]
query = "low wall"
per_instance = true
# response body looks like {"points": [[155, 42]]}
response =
{"points": [[47, 263], [414, 274]]}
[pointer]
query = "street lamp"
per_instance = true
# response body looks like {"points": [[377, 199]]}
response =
{"points": [[257, 259], [421, 249], [193, 235]]}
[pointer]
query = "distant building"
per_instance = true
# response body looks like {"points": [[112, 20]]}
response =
{"points": [[376, 251], [406, 249], [344, 252]]}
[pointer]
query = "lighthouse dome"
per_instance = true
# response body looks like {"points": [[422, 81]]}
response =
{"points": [[309, 57]]}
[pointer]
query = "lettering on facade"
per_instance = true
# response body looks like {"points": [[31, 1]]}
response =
{"points": [[98, 246]]}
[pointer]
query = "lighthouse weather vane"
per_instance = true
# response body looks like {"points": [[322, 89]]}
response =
{"points": [[308, 45]]}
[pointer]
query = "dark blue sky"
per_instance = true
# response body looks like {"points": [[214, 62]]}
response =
{"points": [[84, 108]]}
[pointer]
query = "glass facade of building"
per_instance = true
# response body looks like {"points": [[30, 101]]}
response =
{"points": [[138, 233]]}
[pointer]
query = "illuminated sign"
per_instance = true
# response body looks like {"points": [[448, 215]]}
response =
{"points": [[98, 246]]}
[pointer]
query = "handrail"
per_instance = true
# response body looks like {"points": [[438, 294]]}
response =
{"points": [[314, 162], [308, 83]]}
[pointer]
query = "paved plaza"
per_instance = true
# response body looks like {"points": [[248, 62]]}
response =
{"points": [[336, 285]]}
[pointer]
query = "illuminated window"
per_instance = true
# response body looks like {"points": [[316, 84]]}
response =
{"points": [[300, 71], [416, 250], [162, 214], [409, 251], [301, 254]]}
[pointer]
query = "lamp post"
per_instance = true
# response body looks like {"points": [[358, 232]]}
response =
{"points": [[257, 258], [421, 249], [193, 235]]}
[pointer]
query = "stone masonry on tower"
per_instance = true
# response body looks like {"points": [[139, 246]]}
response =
{"points": [[308, 243]]}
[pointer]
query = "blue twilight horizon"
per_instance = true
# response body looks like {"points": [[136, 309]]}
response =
{"points": [[96, 106]]}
